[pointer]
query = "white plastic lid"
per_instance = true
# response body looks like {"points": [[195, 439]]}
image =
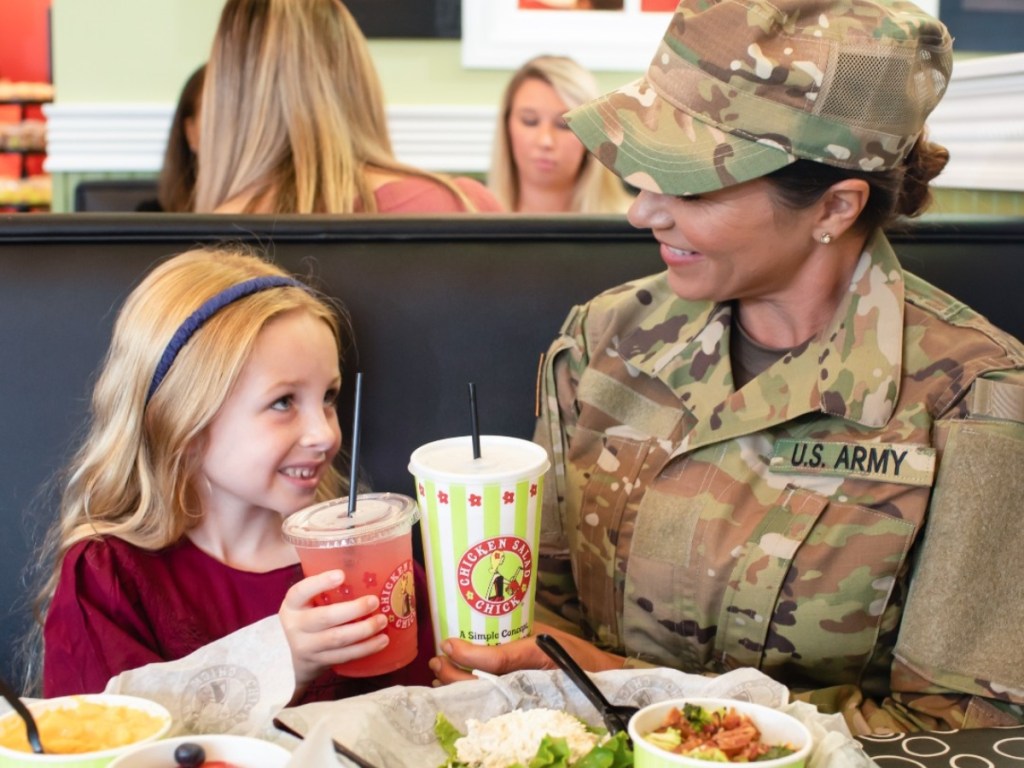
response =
{"points": [[377, 516], [502, 460]]}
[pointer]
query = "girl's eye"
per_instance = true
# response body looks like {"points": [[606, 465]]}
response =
{"points": [[562, 125], [282, 403], [529, 121], [331, 398], [688, 198]]}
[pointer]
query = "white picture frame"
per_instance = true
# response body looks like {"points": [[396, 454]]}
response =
{"points": [[497, 34]]}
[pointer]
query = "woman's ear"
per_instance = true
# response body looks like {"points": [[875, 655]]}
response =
{"points": [[841, 205]]}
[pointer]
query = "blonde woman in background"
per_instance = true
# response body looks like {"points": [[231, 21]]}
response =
{"points": [[293, 121], [538, 165]]}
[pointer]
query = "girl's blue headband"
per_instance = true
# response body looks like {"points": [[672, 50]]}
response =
{"points": [[208, 309]]}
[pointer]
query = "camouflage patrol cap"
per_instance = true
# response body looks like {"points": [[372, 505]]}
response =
{"points": [[740, 88]]}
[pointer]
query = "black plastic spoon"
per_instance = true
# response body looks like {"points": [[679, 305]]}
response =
{"points": [[31, 729], [615, 716]]}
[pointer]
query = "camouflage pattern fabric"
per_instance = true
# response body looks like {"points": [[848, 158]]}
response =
{"points": [[740, 88], [690, 525]]}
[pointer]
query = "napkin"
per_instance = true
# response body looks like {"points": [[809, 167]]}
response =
{"points": [[233, 685], [395, 727], [316, 751]]}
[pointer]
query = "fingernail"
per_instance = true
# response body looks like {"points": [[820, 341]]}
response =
{"points": [[336, 577], [374, 602], [435, 665], [446, 648]]}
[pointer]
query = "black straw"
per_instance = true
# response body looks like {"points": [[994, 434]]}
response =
{"points": [[354, 471], [474, 421]]}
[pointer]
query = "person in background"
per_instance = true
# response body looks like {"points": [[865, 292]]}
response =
{"points": [[537, 164], [293, 121], [785, 452], [177, 181], [213, 418]]}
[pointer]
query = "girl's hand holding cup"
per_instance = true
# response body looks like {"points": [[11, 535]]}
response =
{"points": [[324, 635]]}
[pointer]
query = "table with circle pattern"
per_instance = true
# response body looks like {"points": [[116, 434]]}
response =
{"points": [[973, 748]]}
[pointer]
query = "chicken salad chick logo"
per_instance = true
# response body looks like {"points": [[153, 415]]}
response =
{"points": [[398, 597], [494, 575]]}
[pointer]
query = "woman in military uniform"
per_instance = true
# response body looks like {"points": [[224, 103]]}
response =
{"points": [[785, 452]]}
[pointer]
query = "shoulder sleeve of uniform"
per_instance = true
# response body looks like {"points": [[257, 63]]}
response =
{"points": [[963, 626]]}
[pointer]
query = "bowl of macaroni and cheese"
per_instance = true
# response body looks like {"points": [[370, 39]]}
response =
{"points": [[86, 731]]}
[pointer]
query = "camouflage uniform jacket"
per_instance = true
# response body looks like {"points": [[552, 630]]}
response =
{"points": [[783, 526]]}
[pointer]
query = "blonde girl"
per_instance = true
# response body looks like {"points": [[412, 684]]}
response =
{"points": [[212, 419]]}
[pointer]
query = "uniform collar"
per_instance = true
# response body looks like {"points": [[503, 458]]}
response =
{"points": [[851, 370]]}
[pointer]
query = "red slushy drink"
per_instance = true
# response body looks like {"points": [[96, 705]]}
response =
{"points": [[373, 546]]}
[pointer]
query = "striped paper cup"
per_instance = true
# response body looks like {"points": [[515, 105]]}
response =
{"points": [[480, 528]]}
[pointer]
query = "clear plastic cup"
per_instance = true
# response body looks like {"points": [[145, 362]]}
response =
{"points": [[480, 529], [373, 546]]}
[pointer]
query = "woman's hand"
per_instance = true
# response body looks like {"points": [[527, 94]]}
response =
{"points": [[461, 657], [322, 635]]}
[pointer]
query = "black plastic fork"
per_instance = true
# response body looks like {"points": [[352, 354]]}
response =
{"points": [[340, 748], [31, 729], [615, 716]]}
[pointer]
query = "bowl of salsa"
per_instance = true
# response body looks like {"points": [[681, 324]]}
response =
{"points": [[695, 732]]}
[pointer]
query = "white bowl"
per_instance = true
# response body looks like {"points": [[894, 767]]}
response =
{"points": [[776, 728], [240, 750], [11, 758]]}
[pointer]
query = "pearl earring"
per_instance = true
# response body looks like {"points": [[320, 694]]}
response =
{"points": [[826, 238]]}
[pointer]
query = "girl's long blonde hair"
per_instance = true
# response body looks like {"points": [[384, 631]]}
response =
{"points": [[597, 189], [293, 112], [134, 475]]}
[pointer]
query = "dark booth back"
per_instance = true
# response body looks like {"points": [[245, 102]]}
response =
{"points": [[435, 303]]}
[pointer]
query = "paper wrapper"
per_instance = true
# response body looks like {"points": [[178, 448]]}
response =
{"points": [[233, 685], [395, 727]]}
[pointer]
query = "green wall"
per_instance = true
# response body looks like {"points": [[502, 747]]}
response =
{"points": [[143, 50]]}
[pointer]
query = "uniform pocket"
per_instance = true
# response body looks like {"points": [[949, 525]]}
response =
{"points": [[835, 569], [609, 480]]}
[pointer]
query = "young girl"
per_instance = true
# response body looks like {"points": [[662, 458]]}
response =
{"points": [[213, 419]]}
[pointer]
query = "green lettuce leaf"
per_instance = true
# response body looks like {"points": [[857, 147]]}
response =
{"points": [[446, 735], [552, 753], [614, 753]]}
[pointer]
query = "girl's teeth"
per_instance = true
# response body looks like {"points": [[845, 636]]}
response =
{"points": [[304, 474]]}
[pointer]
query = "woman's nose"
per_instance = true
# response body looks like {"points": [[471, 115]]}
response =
{"points": [[545, 135], [649, 211]]}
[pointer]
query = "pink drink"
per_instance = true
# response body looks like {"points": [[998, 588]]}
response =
{"points": [[374, 549]]}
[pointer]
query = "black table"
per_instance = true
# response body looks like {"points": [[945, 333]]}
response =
{"points": [[974, 748]]}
